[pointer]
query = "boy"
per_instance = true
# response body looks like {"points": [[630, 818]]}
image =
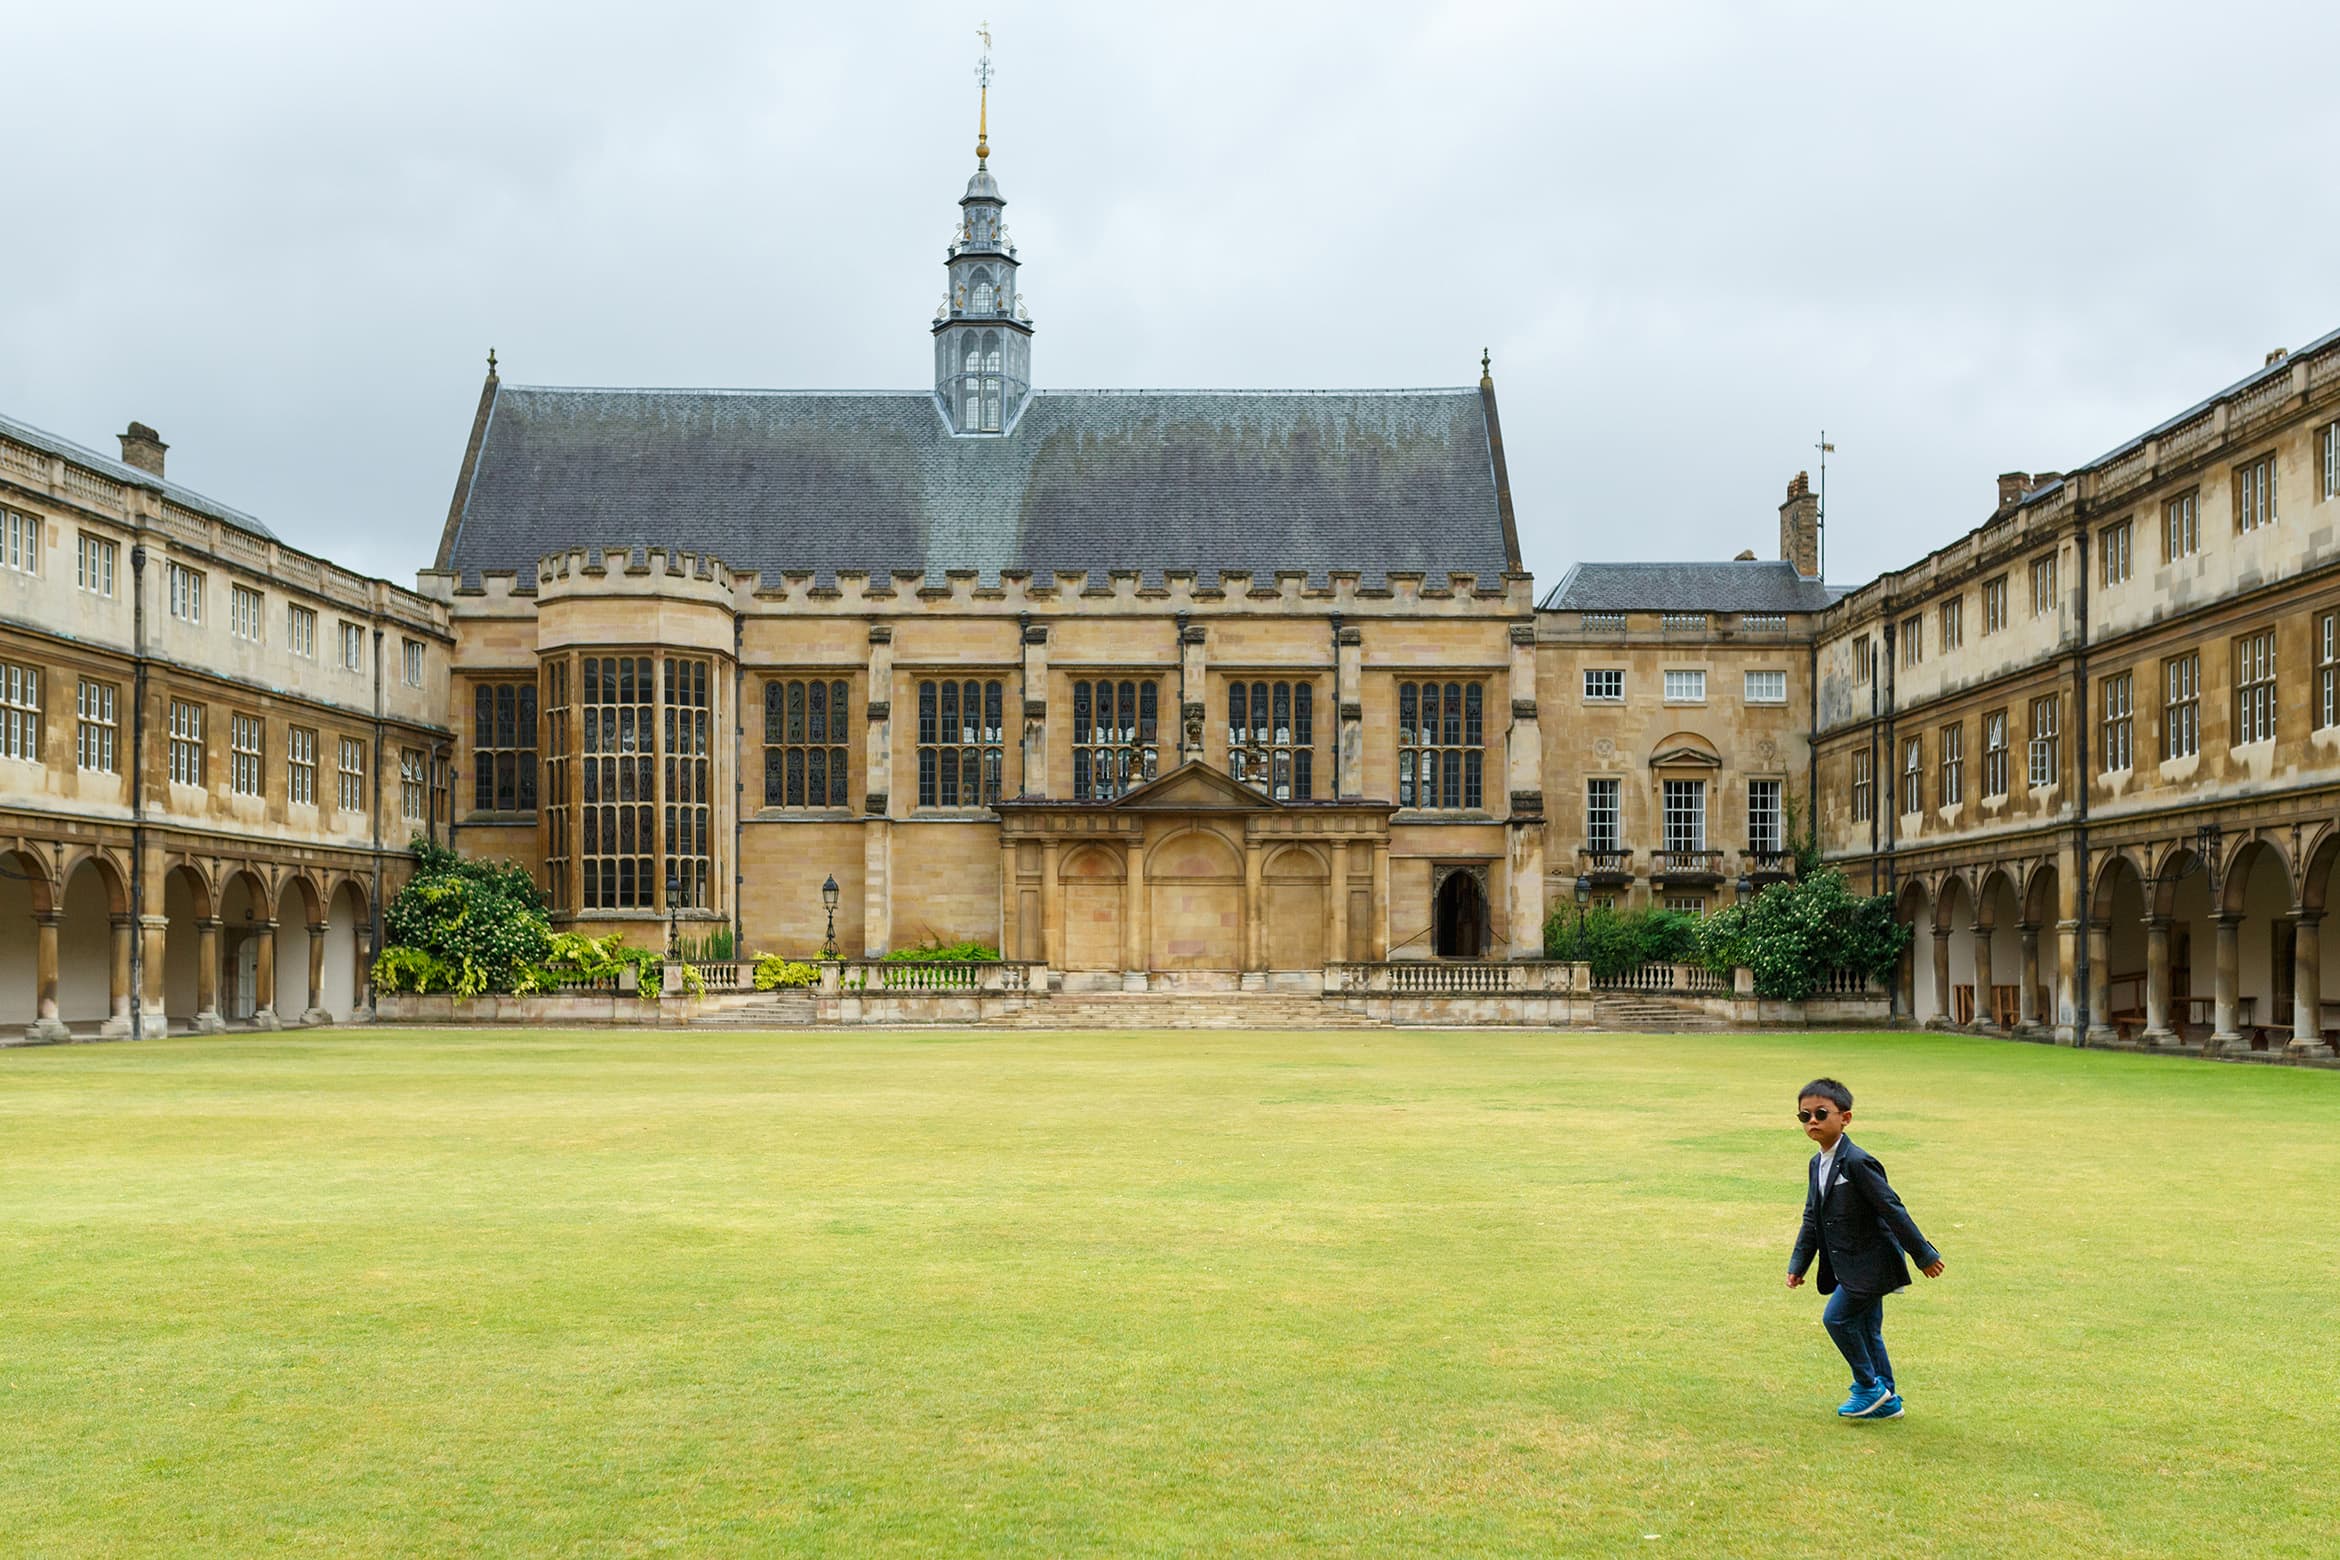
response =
{"points": [[1858, 1228]]}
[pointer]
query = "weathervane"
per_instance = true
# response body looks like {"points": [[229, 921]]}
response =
{"points": [[1826, 449], [983, 111]]}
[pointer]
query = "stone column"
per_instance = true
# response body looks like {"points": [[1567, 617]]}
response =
{"points": [[1133, 918], [1194, 715], [2027, 1018], [1034, 764], [47, 1025], [1940, 1017], [1349, 703], [2157, 1030], [154, 1021], [1380, 890], [1336, 950], [1051, 909], [1984, 1018], [1009, 947], [2100, 1029], [1255, 945], [317, 1012], [2307, 986], [264, 976], [117, 1024], [2067, 994], [2226, 1003]]}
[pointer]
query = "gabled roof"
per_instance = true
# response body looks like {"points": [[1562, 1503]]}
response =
{"points": [[1753, 585], [1094, 480], [130, 476]]}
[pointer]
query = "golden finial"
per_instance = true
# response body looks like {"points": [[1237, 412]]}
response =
{"points": [[1486, 365], [491, 361], [983, 100]]}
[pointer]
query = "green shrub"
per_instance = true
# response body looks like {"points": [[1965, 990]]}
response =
{"points": [[774, 973], [945, 953], [1794, 934], [413, 970], [1614, 942]]}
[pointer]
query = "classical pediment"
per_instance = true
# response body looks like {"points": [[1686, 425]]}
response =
{"points": [[1194, 787], [1684, 757]]}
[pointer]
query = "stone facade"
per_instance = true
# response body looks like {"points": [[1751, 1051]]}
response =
{"points": [[2093, 746], [213, 751]]}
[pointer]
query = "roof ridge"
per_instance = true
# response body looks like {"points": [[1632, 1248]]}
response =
{"points": [[1114, 392]]}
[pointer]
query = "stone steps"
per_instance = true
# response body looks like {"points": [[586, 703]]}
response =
{"points": [[768, 1010], [1189, 1010], [1637, 1011]]}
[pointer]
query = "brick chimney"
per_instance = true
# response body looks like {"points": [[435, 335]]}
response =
{"points": [[1799, 527], [143, 447], [2012, 486]]}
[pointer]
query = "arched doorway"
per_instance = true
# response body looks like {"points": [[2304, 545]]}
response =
{"points": [[190, 951], [344, 985], [93, 949], [2257, 943], [1092, 880], [1194, 912], [1954, 936], [1459, 916], [24, 897], [1296, 910], [1915, 910]]}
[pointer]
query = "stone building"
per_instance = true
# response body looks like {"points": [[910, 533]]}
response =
{"points": [[213, 751], [2093, 746], [1676, 773], [1167, 688]]}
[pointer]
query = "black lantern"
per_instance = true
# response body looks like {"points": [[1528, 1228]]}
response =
{"points": [[1583, 890], [1746, 886], [673, 902], [829, 900]]}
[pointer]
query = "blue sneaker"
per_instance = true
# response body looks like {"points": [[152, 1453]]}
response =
{"points": [[1864, 1402], [1890, 1408]]}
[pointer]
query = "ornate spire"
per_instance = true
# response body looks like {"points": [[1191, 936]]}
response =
{"points": [[983, 98]]}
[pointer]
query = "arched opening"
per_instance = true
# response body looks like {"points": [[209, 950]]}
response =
{"points": [[344, 984], [1954, 923], [24, 894], [991, 382], [2258, 889], [2118, 907], [1459, 917], [2045, 971], [93, 951], [300, 946], [243, 912], [2182, 894], [187, 906], [1915, 986], [1998, 952]]}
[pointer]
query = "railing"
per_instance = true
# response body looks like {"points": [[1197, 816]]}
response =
{"points": [[883, 977], [25, 462], [1450, 977], [1684, 980], [1686, 864], [97, 489], [1847, 983], [1597, 863], [1762, 864]]}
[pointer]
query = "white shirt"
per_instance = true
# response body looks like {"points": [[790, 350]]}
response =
{"points": [[1827, 1168]]}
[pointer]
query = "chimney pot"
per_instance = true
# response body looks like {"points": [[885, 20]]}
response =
{"points": [[2012, 486], [2277, 356], [143, 447], [1746, 555], [1799, 527]]}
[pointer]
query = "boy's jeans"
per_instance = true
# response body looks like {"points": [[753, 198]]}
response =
{"points": [[1857, 1323]]}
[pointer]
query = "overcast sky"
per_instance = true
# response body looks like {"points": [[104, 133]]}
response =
{"points": [[1962, 239]]}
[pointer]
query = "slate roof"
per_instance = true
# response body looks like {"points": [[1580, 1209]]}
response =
{"points": [[1761, 585], [129, 475], [1086, 479]]}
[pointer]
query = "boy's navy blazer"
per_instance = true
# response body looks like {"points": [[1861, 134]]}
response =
{"points": [[1857, 1227]]}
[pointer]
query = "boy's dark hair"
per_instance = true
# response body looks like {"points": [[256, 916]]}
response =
{"points": [[1827, 1089]]}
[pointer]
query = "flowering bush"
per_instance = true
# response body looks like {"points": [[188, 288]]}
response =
{"points": [[1793, 934], [462, 926]]}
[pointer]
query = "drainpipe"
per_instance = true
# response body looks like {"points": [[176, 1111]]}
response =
{"points": [[374, 808], [1891, 691], [1876, 770], [739, 782], [138, 791], [1812, 742], [2082, 1018]]}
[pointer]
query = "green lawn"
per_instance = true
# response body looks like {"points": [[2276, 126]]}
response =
{"points": [[1167, 1294]]}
